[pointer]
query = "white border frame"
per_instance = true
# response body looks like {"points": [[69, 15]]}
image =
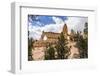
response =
{"points": [[16, 62]]}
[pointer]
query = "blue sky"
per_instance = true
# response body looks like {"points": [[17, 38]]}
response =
{"points": [[39, 23], [37, 20]]}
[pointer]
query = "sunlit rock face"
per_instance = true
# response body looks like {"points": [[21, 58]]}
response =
{"points": [[74, 53], [38, 53]]}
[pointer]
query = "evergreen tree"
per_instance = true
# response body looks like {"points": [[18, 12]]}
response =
{"points": [[86, 28], [30, 43], [72, 38], [86, 40], [61, 47], [72, 32], [82, 42], [82, 46], [50, 53]]}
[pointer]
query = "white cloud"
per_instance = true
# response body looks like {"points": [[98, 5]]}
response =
{"points": [[76, 23], [57, 20]]}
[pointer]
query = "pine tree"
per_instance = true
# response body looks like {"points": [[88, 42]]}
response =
{"points": [[50, 53], [30, 43], [86, 40], [82, 42], [86, 28], [61, 47], [72, 38]]}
